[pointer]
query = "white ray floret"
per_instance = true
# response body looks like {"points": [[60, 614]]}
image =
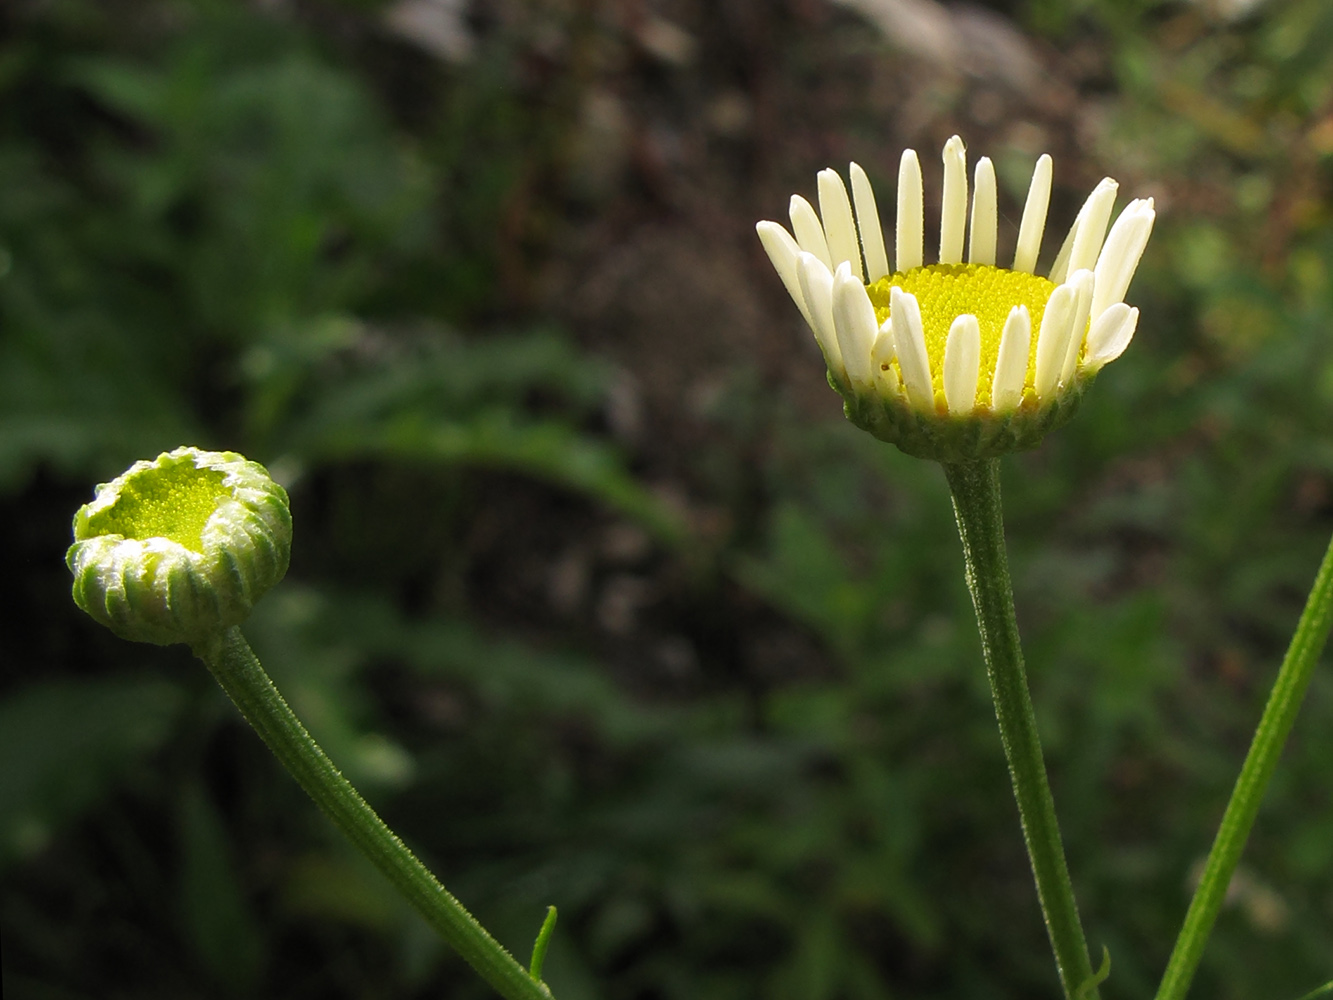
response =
{"points": [[882, 356], [962, 365], [1121, 254], [836, 211], [817, 288], [1032, 227], [1057, 324], [1088, 242], [855, 324], [782, 250], [1011, 366], [867, 222], [953, 209], [981, 248], [909, 339], [911, 229], [882, 353], [1082, 284], [808, 231], [1110, 334], [1084, 241]]}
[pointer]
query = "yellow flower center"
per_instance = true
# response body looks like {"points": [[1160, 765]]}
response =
{"points": [[946, 291], [171, 501]]}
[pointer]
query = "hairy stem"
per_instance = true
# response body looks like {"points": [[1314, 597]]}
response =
{"points": [[1275, 725], [241, 675], [976, 503]]}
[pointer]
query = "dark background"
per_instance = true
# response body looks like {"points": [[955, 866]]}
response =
{"points": [[594, 592]]}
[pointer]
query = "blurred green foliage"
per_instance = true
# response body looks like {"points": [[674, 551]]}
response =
{"points": [[787, 783]]}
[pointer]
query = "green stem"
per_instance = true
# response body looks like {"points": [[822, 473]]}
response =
{"points": [[976, 504], [1279, 715], [242, 676]]}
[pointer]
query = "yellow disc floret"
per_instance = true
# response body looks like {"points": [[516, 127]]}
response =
{"points": [[174, 503], [947, 291]]}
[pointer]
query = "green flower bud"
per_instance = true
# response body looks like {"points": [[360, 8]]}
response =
{"points": [[180, 548]]}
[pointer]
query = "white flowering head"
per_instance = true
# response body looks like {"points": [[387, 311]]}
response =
{"points": [[959, 360], [179, 549]]}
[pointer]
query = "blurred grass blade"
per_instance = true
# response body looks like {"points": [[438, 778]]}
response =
{"points": [[1284, 703]]}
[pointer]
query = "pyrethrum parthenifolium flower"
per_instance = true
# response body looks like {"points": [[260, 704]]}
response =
{"points": [[961, 359], [179, 549]]}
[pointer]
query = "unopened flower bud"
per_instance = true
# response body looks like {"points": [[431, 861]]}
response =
{"points": [[179, 549]]}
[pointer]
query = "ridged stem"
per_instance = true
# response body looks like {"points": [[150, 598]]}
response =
{"points": [[241, 675], [976, 503], [1284, 702]]}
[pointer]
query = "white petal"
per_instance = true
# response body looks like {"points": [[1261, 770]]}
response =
{"points": [[1057, 323], [1110, 335], [1120, 256], [982, 248], [782, 251], [1083, 284], [882, 352], [817, 287], [854, 323], [809, 233], [836, 211], [1032, 227], [1088, 242], [1084, 241], [911, 213], [867, 220], [882, 355], [962, 364], [890, 383], [953, 208], [909, 338], [1011, 367]]}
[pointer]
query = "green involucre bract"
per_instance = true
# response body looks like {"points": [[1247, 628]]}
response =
{"points": [[180, 548]]}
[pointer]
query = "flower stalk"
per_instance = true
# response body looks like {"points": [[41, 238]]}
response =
{"points": [[976, 501], [1307, 644], [235, 666]]}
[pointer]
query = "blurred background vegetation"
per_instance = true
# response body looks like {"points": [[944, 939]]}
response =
{"points": [[594, 592]]}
